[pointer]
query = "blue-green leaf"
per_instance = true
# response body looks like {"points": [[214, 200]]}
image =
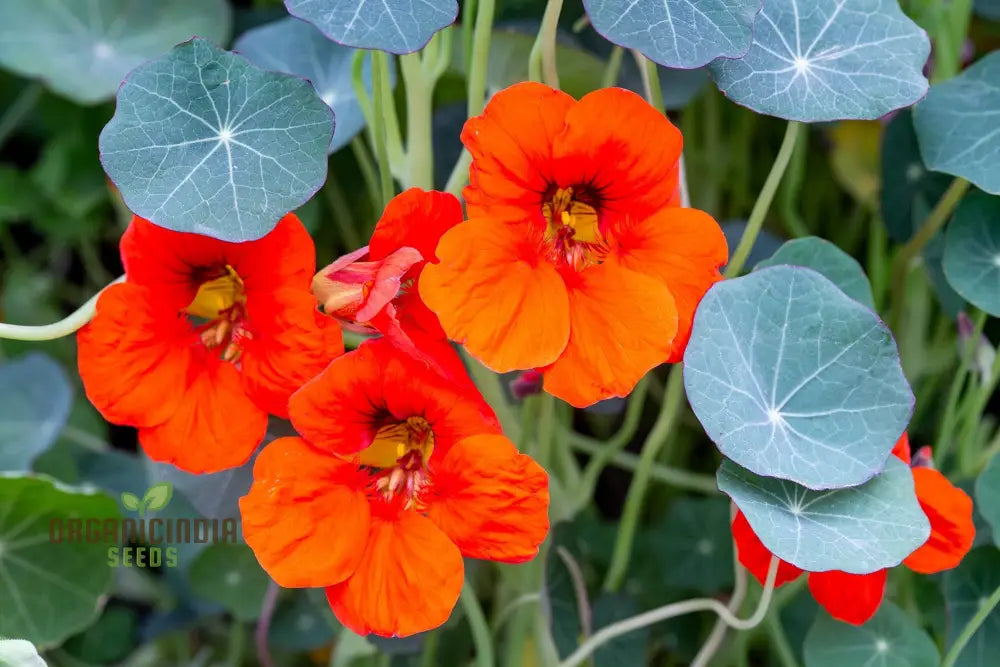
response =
{"points": [[83, 50], [972, 251], [860, 529], [988, 9], [828, 260], [397, 26], [792, 378], [205, 142], [230, 575], [677, 33], [35, 398], [696, 540], [966, 588], [819, 60], [889, 638], [988, 496], [296, 47], [958, 125]]}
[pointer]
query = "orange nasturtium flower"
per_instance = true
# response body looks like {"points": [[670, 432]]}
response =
{"points": [[576, 259], [399, 474], [204, 339], [854, 598]]}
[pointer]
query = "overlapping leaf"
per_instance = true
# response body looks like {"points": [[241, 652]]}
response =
{"points": [[35, 398], [828, 260], [972, 252], [958, 125], [820, 60], [965, 589], [397, 26], [83, 50], [203, 141], [859, 529], [296, 47], [791, 378], [890, 637], [988, 496], [677, 33]]}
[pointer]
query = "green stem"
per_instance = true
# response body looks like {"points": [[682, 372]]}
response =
{"points": [[936, 219], [419, 172], [19, 109], [968, 453], [380, 70], [791, 190], [676, 477], [341, 213], [970, 628], [480, 58], [477, 623], [949, 420], [490, 386], [613, 68], [542, 59], [656, 439], [609, 632], [650, 80], [237, 644], [469, 9], [369, 172], [63, 327], [779, 641], [764, 199], [428, 655]]}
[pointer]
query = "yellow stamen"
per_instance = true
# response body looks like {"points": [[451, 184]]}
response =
{"points": [[566, 214], [216, 296], [395, 441]]}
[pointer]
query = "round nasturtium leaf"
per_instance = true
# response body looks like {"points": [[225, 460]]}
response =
{"points": [[35, 398], [828, 260], [889, 639], [50, 590], [230, 575], [972, 251], [296, 47], [988, 496], [694, 546], [860, 529], [966, 589], [203, 141], [677, 33], [83, 50], [396, 26], [820, 60], [792, 378], [957, 125]]}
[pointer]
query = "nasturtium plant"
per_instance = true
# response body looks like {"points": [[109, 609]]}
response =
{"points": [[788, 374], [972, 252], [83, 50], [35, 398], [203, 141], [829, 261], [677, 33], [889, 638], [966, 590], [818, 60]]}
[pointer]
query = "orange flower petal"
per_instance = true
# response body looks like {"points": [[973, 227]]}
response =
{"points": [[495, 294], [284, 256], [415, 219], [902, 448], [683, 248], [490, 500], [949, 510], [755, 557], [408, 580], [133, 357], [291, 344], [851, 598], [306, 515], [623, 149], [621, 325], [215, 425], [511, 145]]}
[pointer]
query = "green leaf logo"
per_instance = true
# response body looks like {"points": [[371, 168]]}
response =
{"points": [[156, 498]]}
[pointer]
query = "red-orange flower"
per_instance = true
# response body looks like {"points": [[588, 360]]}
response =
{"points": [[575, 259], [854, 598], [400, 474], [204, 339]]}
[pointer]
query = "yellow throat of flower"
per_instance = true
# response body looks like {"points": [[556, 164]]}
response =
{"points": [[217, 296]]}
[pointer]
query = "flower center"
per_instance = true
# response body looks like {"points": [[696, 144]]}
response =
{"points": [[400, 453], [572, 229], [221, 302]]}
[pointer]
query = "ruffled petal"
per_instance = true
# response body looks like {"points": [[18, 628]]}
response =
{"points": [[133, 356], [623, 150], [511, 145], [215, 425], [949, 510], [490, 500], [755, 557], [681, 247], [306, 515], [851, 598], [622, 324], [415, 219], [291, 344], [494, 293], [408, 580]]}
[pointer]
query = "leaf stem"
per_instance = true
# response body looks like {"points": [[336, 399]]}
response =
{"points": [[676, 477], [369, 172], [764, 199], [613, 68], [675, 609], [419, 170], [380, 71], [264, 624], [477, 623], [63, 327], [19, 109], [970, 628], [650, 80], [542, 59], [949, 420]]}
